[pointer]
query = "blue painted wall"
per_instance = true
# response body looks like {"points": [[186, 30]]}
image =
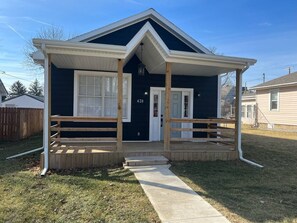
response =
{"points": [[205, 105], [123, 36]]}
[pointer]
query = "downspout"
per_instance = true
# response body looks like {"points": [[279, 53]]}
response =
{"points": [[45, 114], [240, 152]]}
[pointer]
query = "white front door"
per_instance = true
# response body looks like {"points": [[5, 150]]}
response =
{"points": [[181, 107]]}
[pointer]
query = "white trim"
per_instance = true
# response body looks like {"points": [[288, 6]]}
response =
{"points": [[150, 32], [81, 49], [189, 91], [274, 90], [105, 74], [150, 13]]}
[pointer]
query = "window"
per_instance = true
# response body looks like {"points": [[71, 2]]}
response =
{"points": [[95, 94], [249, 111], [243, 111], [273, 100]]}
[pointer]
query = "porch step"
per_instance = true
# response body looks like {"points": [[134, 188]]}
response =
{"points": [[145, 160]]}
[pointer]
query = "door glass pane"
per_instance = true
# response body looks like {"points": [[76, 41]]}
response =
{"points": [[156, 106], [186, 106]]}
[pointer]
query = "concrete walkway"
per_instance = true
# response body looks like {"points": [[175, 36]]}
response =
{"points": [[173, 200]]}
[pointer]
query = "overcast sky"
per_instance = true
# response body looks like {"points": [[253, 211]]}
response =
{"points": [[265, 30]]}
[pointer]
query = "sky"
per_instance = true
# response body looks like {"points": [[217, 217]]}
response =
{"points": [[265, 30]]}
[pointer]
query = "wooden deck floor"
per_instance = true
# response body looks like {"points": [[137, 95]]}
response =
{"points": [[88, 155]]}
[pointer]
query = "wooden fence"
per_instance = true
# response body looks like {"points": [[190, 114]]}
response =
{"points": [[20, 123]]}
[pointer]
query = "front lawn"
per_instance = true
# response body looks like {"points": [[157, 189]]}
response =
{"points": [[96, 195], [244, 193]]}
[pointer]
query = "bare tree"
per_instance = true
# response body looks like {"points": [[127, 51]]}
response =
{"points": [[50, 32]]}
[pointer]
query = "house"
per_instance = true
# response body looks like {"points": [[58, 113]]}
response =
{"points": [[139, 86], [277, 102], [227, 100], [249, 108], [24, 101], [3, 92]]}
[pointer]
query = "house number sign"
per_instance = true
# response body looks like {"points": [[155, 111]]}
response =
{"points": [[140, 101]]}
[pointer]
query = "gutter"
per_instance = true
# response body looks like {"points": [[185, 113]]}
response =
{"points": [[239, 132]]}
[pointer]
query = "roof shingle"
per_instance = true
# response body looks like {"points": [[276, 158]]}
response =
{"points": [[283, 80]]}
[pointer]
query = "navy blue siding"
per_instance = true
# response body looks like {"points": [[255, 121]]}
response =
{"points": [[124, 35], [205, 105]]}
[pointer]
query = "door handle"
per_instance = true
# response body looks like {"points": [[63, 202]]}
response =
{"points": [[161, 120]]}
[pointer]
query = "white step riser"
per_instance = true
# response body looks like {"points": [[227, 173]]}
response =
{"points": [[131, 163], [145, 161]]}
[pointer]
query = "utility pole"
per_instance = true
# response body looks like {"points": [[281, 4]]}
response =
{"points": [[263, 77]]}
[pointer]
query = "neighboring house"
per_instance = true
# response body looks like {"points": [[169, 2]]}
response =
{"points": [[248, 109], [277, 102], [3, 92], [24, 101], [227, 100], [149, 57]]}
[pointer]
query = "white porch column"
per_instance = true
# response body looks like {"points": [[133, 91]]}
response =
{"points": [[167, 107], [120, 106], [238, 109], [46, 111]]}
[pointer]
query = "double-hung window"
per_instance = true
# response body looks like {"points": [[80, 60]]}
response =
{"points": [[95, 94], [243, 111], [249, 111], [274, 105]]}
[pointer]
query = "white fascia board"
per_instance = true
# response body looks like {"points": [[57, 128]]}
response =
{"points": [[112, 27], [181, 33], [209, 60], [38, 55], [77, 48], [150, 13], [274, 86], [149, 31]]}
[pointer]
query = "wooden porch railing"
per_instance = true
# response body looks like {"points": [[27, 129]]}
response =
{"points": [[57, 128], [214, 130]]}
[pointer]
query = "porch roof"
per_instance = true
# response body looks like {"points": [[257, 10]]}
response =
{"points": [[93, 56]]}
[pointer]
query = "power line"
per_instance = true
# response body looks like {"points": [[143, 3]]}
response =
{"points": [[3, 72]]}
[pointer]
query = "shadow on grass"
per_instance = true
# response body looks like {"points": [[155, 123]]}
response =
{"points": [[12, 148], [256, 195]]}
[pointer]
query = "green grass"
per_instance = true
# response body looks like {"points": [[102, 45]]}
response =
{"points": [[247, 194], [97, 195]]}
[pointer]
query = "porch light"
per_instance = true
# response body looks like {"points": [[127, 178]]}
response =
{"points": [[141, 66]]}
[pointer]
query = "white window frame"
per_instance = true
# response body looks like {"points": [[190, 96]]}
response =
{"points": [[247, 110], [270, 94], [78, 73]]}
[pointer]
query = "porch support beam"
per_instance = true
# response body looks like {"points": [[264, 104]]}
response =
{"points": [[238, 109], [120, 106], [167, 107]]}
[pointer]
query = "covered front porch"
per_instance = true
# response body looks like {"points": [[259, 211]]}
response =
{"points": [[207, 136], [74, 152]]}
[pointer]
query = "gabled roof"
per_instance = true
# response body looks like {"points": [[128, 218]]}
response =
{"points": [[286, 80], [148, 14], [78, 53], [38, 98], [3, 90]]}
